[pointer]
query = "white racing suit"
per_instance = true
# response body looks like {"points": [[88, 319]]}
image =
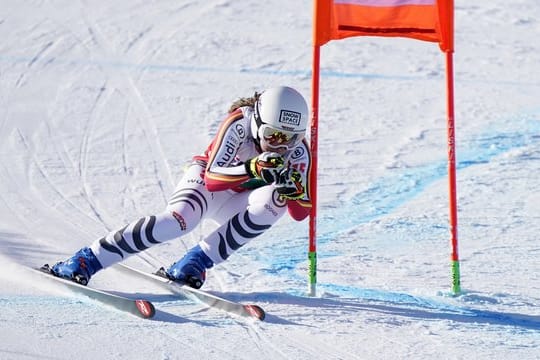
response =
{"points": [[215, 186]]}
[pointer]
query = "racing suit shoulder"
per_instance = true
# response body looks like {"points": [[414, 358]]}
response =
{"points": [[227, 152]]}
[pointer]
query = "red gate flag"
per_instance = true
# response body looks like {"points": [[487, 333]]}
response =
{"points": [[428, 20]]}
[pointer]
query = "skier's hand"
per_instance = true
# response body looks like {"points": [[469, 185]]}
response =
{"points": [[265, 166], [289, 184]]}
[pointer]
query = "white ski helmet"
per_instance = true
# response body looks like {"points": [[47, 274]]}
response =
{"points": [[284, 111]]}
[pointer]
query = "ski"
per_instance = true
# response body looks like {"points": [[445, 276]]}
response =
{"points": [[141, 308], [210, 300]]}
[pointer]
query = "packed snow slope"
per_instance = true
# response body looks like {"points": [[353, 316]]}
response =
{"points": [[103, 103]]}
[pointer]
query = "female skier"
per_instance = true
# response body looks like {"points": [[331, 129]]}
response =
{"points": [[254, 170]]}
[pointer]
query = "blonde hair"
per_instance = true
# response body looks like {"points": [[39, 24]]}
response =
{"points": [[245, 101]]}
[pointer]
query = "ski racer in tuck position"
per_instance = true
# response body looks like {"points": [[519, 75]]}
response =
{"points": [[255, 169]]}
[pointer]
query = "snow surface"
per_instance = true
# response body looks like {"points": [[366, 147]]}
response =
{"points": [[102, 103]]}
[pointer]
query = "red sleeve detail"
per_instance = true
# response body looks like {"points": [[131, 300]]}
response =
{"points": [[298, 209], [216, 183]]}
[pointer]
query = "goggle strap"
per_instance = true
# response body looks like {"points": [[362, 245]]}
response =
{"points": [[258, 120]]}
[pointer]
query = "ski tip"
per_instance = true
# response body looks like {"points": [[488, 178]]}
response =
{"points": [[146, 308], [255, 311]]}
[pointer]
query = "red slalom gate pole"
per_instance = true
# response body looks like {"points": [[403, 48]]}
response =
{"points": [[456, 277], [314, 143]]}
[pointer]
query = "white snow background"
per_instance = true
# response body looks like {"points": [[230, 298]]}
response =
{"points": [[103, 103]]}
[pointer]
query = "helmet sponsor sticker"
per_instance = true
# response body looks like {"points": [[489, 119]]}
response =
{"points": [[288, 117]]}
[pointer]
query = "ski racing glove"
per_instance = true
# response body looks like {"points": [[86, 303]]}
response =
{"points": [[266, 166], [289, 184]]}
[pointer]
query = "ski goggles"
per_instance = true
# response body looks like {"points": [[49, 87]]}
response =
{"points": [[276, 138]]}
